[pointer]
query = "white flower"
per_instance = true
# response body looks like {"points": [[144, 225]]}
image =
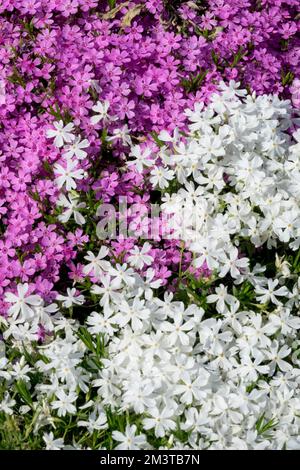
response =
{"points": [[129, 440], [109, 290], [286, 225], [192, 390], [64, 404], [123, 274], [3, 366], [178, 330], [51, 443], [139, 396], [161, 176], [139, 257], [196, 117], [251, 369], [72, 205], [22, 303], [221, 296], [67, 176], [7, 403], [72, 298], [208, 250], [276, 356], [232, 89], [20, 370], [75, 149], [96, 422], [269, 293], [96, 263], [61, 133], [123, 134], [210, 146], [165, 136], [282, 265], [101, 110], [102, 323], [232, 263], [284, 321], [133, 312], [161, 420], [142, 158]]}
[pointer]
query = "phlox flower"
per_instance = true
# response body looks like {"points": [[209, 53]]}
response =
{"points": [[129, 440], [22, 303], [72, 298], [96, 422], [269, 293], [161, 176], [97, 264], [101, 110], [76, 149], [161, 421], [62, 134], [52, 443], [67, 176], [72, 206], [142, 158], [64, 404], [138, 258]]}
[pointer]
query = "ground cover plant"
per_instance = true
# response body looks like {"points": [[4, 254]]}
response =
{"points": [[150, 224]]}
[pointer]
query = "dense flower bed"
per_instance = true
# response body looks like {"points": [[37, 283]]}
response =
{"points": [[150, 224], [149, 61]]}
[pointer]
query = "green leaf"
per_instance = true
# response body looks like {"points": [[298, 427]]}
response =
{"points": [[16, 78], [215, 57], [296, 260], [286, 78], [159, 142], [47, 167], [55, 111], [22, 389], [86, 338], [237, 57], [262, 425], [194, 82]]}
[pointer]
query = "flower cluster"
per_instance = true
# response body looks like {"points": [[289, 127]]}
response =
{"points": [[122, 69], [123, 361], [238, 142]]}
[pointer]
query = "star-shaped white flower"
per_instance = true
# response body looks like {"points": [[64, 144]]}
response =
{"points": [[61, 133]]}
